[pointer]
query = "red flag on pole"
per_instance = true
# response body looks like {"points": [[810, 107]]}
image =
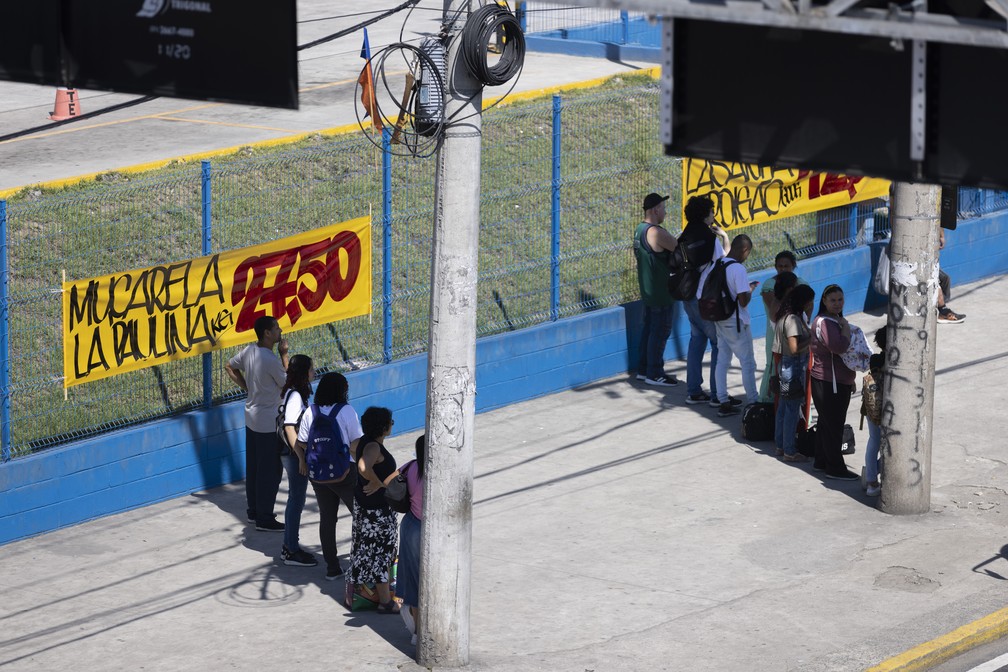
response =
{"points": [[366, 81]]}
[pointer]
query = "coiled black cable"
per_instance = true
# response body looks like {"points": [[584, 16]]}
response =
{"points": [[482, 25]]}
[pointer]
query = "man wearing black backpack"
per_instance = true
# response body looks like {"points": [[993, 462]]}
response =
{"points": [[702, 242], [652, 247], [734, 332]]}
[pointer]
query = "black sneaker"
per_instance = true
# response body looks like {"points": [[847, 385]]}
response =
{"points": [[726, 409], [845, 476], [947, 316], [272, 525], [299, 558], [701, 398], [334, 573], [733, 401]]}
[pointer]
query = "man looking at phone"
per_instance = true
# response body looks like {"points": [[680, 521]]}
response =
{"points": [[735, 336]]}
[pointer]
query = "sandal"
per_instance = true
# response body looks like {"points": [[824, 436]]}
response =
{"points": [[390, 607]]}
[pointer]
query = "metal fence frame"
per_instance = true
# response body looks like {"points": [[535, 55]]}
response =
{"points": [[562, 181]]}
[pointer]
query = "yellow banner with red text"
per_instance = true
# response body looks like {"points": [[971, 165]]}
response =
{"points": [[131, 320], [747, 194]]}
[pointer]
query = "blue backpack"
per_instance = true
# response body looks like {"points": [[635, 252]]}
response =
{"points": [[327, 454]]}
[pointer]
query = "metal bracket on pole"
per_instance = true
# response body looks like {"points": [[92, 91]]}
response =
{"points": [[918, 100]]}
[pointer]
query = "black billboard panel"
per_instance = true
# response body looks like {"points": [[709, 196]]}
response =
{"points": [[222, 50], [967, 112], [790, 98], [30, 41], [828, 101]]}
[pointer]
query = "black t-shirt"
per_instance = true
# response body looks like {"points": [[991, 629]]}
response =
{"points": [[382, 470], [699, 244]]}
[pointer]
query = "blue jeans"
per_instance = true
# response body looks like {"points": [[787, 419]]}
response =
{"points": [[297, 489], [654, 335], [792, 370], [701, 331], [408, 572], [871, 452]]}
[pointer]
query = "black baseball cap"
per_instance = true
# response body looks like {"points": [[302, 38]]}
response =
{"points": [[653, 199]]}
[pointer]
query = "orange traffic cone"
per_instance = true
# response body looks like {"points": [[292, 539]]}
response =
{"points": [[67, 105]]}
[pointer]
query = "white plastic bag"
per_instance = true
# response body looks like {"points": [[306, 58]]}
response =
{"points": [[881, 280]]}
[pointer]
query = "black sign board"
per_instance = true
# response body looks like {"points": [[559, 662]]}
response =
{"points": [[222, 50], [30, 41], [830, 101]]}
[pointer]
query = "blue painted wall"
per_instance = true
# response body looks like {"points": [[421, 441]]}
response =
{"points": [[203, 449]]}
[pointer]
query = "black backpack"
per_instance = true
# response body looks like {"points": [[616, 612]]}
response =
{"points": [[684, 277], [716, 302], [758, 422]]}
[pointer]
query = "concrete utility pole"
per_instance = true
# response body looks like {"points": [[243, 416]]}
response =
{"points": [[907, 413], [446, 543]]}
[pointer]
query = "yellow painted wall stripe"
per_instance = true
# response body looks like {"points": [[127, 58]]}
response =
{"points": [[940, 649], [291, 139]]}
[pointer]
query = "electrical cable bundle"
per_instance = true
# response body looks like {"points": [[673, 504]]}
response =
{"points": [[415, 127], [481, 27], [420, 119]]}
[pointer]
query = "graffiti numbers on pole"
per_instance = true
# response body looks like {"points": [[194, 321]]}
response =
{"points": [[908, 304]]}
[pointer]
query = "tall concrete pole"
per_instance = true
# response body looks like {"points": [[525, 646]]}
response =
{"points": [[446, 543], [907, 414]]}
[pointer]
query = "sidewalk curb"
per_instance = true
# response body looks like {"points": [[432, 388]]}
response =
{"points": [[940, 649]]}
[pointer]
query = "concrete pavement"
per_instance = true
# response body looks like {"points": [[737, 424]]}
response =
{"points": [[614, 528]]}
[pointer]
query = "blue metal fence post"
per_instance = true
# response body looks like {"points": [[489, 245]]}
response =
{"points": [[555, 215], [387, 243], [5, 433], [521, 12], [207, 357], [853, 225], [625, 24]]}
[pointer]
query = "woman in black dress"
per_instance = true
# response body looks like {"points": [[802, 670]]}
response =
{"points": [[375, 527]]}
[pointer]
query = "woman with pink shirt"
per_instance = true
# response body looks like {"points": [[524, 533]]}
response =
{"points": [[832, 384]]}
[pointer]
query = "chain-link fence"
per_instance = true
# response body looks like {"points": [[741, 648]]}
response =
{"points": [[562, 181]]}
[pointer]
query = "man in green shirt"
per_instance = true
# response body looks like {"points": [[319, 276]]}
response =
{"points": [[653, 247]]}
